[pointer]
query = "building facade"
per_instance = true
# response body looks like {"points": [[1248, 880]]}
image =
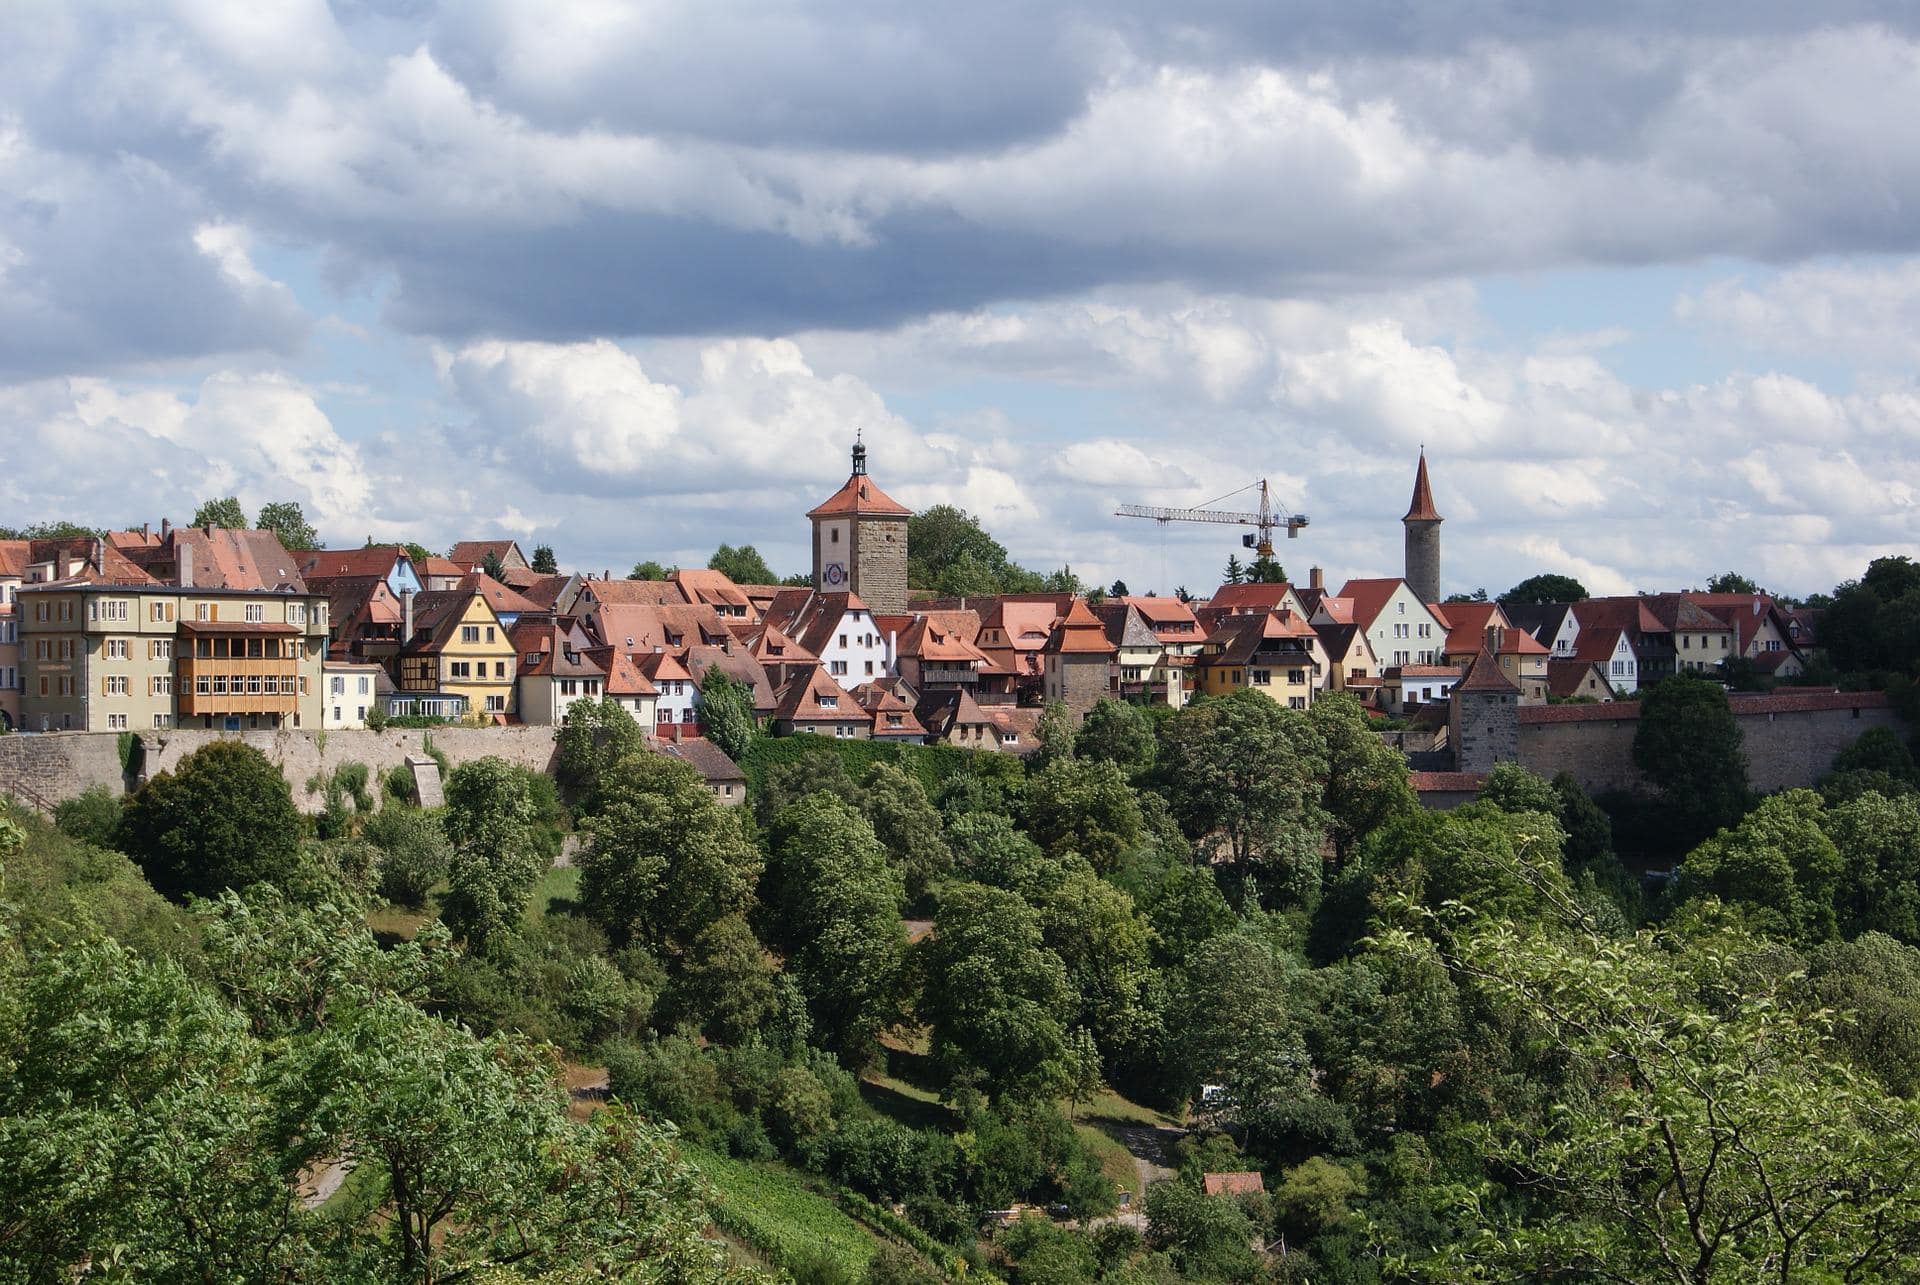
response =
{"points": [[860, 542]]}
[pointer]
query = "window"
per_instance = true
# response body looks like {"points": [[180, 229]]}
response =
{"points": [[66, 685], [111, 608], [162, 720], [362, 714], [1296, 676], [220, 684], [1426, 631], [116, 685], [43, 687], [869, 668], [116, 649], [296, 613], [39, 611], [1686, 641], [499, 666], [116, 722], [253, 684], [254, 613], [336, 685], [1296, 702], [205, 611], [336, 714], [1400, 607], [270, 686], [489, 633], [1262, 677], [160, 685], [460, 669], [469, 633], [496, 704], [829, 702], [843, 640], [533, 657], [364, 688], [160, 649], [160, 612], [839, 667], [200, 687]]}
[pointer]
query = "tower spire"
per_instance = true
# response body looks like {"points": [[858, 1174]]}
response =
{"points": [[1422, 510], [859, 453]]}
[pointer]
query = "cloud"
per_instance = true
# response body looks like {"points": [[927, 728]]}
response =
{"points": [[1863, 312]]}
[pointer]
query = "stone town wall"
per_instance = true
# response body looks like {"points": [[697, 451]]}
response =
{"points": [[1483, 729], [50, 768], [1790, 740]]}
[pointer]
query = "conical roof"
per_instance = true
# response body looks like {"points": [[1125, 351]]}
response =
{"points": [[1485, 675], [1422, 510]]}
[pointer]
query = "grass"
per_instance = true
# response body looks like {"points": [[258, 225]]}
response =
{"points": [[1115, 1160], [559, 884], [1109, 1107], [772, 1210], [392, 924]]}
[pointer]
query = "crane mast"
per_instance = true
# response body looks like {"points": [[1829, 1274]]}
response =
{"points": [[1263, 521]]}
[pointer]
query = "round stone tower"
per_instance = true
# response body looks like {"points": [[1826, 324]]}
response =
{"points": [[1423, 538]]}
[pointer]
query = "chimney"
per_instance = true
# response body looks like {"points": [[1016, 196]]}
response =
{"points": [[144, 530], [606, 573], [1495, 636], [166, 529], [406, 617], [99, 554], [183, 565], [1316, 578]]}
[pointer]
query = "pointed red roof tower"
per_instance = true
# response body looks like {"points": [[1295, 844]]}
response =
{"points": [[1422, 525], [860, 541]]}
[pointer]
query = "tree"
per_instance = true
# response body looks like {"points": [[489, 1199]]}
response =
{"points": [[1688, 747], [1879, 844], [494, 865], [836, 904], [1106, 948], [1732, 582], [223, 819], [92, 816], [414, 852], [289, 525], [1118, 733], [743, 565], [945, 540], [1512, 788], [1548, 587], [55, 530], [1086, 807], [1235, 573], [649, 570], [543, 560], [1366, 779], [1207, 1237], [225, 514], [726, 710], [1264, 570], [667, 859], [1245, 777], [491, 565], [1118, 589], [995, 996], [1239, 1034], [594, 737], [1081, 1078], [725, 984], [1721, 1139], [1186, 911], [908, 828], [1478, 595]]}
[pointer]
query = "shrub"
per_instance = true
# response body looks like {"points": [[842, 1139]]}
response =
{"points": [[224, 819], [91, 817], [414, 853], [352, 779], [398, 784]]}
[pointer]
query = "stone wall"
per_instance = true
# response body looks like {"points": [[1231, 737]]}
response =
{"points": [[1483, 729], [47, 769], [880, 570], [1790, 739]]}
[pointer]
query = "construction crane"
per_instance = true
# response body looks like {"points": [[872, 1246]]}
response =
{"points": [[1264, 521]]}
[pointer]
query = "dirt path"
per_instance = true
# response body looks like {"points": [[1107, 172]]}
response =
{"points": [[319, 1185], [1151, 1146]]}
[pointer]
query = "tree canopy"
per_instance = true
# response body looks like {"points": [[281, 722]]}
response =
{"points": [[223, 819], [224, 513], [1546, 587], [289, 525], [743, 565]]}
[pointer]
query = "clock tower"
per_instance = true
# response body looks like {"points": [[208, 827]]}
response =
{"points": [[860, 542]]}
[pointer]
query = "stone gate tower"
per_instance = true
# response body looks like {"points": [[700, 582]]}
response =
{"points": [[860, 542], [1423, 538]]}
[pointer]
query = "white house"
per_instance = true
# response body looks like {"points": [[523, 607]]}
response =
{"points": [[350, 688]]}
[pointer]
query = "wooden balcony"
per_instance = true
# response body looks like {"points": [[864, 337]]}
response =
{"points": [[189, 700]]}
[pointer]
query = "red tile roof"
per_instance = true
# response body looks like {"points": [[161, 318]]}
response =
{"points": [[499, 596], [1369, 598], [1250, 597], [1232, 1184], [623, 676], [328, 564], [1080, 633], [471, 553], [859, 496], [711, 588], [800, 700], [1485, 675], [1421, 509], [13, 558]]}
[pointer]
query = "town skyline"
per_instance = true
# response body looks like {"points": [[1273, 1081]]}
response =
{"points": [[458, 272]]}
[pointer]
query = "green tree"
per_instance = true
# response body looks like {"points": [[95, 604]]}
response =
{"points": [[1688, 747], [1778, 864], [1512, 788], [289, 525], [725, 983], [92, 816], [1118, 589], [996, 997], [836, 903], [1264, 570], [726, 709], [1106, 948], [59, 529], [1547, 587], [1186, 911], [942, 540], [223, 513], [1117, 733], [1235, 573], [1237, 1032], [1207, 1237], [1873, 984], [594, 737], [908, 828], [649, 570], [543, 560], [1081, 1078], [1878, 840], [667, 859], [223, 819], [414, 852], [1366, 779], [492, 566], [743, 565], [1245, 777], [495, 863], [1086, 807], [1732, 582], [1722, 1138]]}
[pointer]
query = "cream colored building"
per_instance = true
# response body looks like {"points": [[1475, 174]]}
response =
{"points": [[123, 657]]}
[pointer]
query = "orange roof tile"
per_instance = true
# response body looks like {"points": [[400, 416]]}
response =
{"points": [[859, 496], [1421, 509]]}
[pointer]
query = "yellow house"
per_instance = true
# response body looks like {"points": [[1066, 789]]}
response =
{"points": [[457, 660], [1277, 654]]}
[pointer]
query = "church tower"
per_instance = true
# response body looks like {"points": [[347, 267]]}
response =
{"points": [[1423, 538], [860, 542]]}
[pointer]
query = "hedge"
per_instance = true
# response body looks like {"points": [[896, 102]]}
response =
{"points": [[930, 764]]}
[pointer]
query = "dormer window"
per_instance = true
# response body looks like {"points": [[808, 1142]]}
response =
{"points": [[829, 702]]}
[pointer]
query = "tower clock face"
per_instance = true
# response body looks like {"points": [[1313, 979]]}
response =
{"points": [[834, 575]]}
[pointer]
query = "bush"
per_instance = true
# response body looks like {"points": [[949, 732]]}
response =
{"points": [[224, 819], [414, 853], [91, 817], [398, 784], [352, 779]]}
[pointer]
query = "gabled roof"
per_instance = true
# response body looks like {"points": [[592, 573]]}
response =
{"points": [[1250, 597], [656, 593], [662, 667], [673, 627], [1160, 612], [1541, 619], [223, 559], [499, 596], [1370, 597], [1239, 639], [1126, 627], [942, 711], [623, 676], [1232, 1184], [884, 702], [1080, 633], [1566, 677], [440, 567], [737, 665], [1597, 643], [942, 638], [1025, 621], [1745, 612], [113, 567], [812, 618], [13, 558], [1680, 614], [800, 700], [1337, 640], [438, 613], [1628, 613], [549, 648], [471, 553], [711, 588], [544, 591], [705, 757], [1421, 508], [328, 564], [859, 496], [1484, 675]]}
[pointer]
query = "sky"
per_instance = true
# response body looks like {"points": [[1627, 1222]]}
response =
{"points": [[626, 278]]}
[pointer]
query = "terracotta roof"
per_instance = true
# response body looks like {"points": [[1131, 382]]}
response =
{"points": [[499, 596], [1232, 1184], [236, 627], [1566, 677], [626, 592], [1159, 611], [662, 667], [1484, 675], [891, 711], [801, 699], [1369, 598], [328, 564], [471, 553], [737, 665], [713, 588], [1336, 608], [1426, 671], [1080, 633], [936, 638], [1628, 613], [705, 757], [623, 676], [859, 496], [13, 558], [222, 559], [1024, 724], [436, 614], [550, 648], [942, 711], [441, 567], [544, 591], [812, 618], [1597, 643], [1745, 612], [1240, 640], [1447, 782], [673, 626], [115, 567], [1421, 509], [1250, 597]]}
